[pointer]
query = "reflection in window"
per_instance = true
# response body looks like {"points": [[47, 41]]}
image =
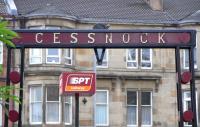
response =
{"points": [[146, 58], [68, 109], [132, 108], [52, 104], [35, 105], [102, 107], [139, 102], [186, 58], [146, 108], [35, 56], [68, 56], [53, 56], [132, 58]]}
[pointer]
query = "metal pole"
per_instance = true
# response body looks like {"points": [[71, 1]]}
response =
{"points": [[21, 87], [178, 85], [7, 83], [192, 86], [77, 110]]}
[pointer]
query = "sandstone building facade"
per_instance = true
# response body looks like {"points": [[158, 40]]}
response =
{"points": [[135, 87]]}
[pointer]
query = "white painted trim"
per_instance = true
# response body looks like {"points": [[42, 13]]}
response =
{"points": [[136, 60], [107, 105]]}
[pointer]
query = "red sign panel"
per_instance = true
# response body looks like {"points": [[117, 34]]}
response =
{"points": [[73, 82], [105, 38]]}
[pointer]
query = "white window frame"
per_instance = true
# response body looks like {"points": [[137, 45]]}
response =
{"points": [[1, 50], [144, 61], [70, 115], [107, 105], [59, 121], [59, 56], [184, 59], [30, 104], [132, 125], [69, 57], [185, 108], [104, 60], [151, 110], [136, 60], [31, 56]]}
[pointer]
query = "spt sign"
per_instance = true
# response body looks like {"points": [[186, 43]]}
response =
{"points": [[77, 82]]}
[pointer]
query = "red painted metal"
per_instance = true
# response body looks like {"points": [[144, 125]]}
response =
{"points": [[109, 38], [188, 116], [13, 115], [14, 77], [186, 77]]}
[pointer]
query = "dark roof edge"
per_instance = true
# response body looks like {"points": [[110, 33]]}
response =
{"points": [[115, 21]]}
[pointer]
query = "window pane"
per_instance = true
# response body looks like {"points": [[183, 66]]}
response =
{"points": [[67, 112], [52, 112], [131, 64], [68, 52], [36, 52], [131, 54], [131, 98], [146, 54], [186, 95], [101, 97], [35, 60], [67, 99], [105, 58], [67, 109], [131, 115], [53, 59], [36, 94], [101, 114], [146, 64], [146, 98], [35, 56], [68, 56], [99, 50], [146, 115], [36, 110], [186, 58], [52, 93], [53, 52], [195, 56]]}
